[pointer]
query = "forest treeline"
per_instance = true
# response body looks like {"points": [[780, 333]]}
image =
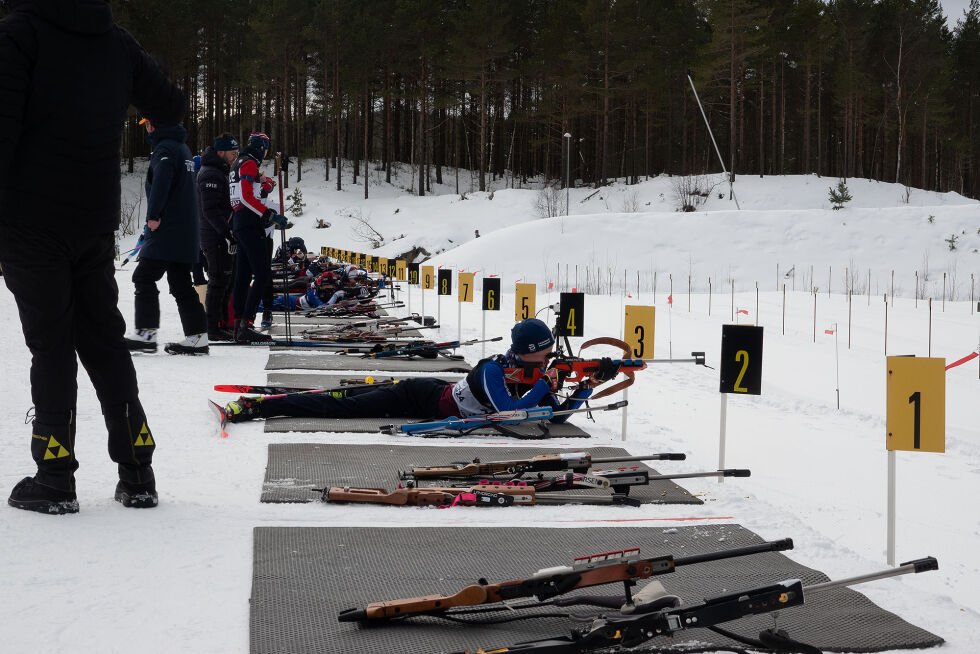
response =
{"points": [[884, 89]]}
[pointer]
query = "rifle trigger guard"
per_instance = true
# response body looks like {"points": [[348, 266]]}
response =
{"points": [[627, 354]]}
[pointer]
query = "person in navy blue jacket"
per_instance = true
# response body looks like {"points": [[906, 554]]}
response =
{"points": [[171, 244], [483, 390], [217, 241], [67, 60]]}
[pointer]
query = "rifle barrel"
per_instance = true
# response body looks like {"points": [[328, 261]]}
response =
{"points": [[667, 456], [768, 546], [694, 475], [912, 567]]}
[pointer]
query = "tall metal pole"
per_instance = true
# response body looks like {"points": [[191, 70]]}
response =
{"points": [[568, 168], [731, 187]]}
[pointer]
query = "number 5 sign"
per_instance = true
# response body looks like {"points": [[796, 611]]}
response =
{"points": [[916, 414], [524, 302], [741, 359]]}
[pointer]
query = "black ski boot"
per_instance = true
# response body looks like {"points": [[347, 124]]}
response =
{"points": [[142, 340], [193, 344], [220, 335], [138, 495], [28, 494], [245, 334], [131, 446], [244, 408], [52, 489]]}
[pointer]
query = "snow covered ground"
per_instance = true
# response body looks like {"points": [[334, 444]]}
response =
{"points": [[178, 578]]}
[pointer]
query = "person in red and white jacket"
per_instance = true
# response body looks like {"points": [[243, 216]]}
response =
{"points": [[253, 222]]}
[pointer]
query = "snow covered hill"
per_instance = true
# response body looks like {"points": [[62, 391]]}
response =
{"points": [[178, 578]]}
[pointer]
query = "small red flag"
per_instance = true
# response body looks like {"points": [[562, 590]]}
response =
{"points": [[969, 357], [574, 290], [670, 299], [828, 331], [551, 285], [744, 312]]}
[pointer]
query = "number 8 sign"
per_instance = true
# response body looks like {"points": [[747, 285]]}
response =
{"points": [[741, 359]]}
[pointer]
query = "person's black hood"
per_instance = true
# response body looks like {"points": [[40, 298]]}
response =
{"points": [[81, 16], [175, 133]]}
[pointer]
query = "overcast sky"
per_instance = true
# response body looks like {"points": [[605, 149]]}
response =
{"points": [[954, 10]]}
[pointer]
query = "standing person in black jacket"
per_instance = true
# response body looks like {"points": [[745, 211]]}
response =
{"points": [[171, 245], [68, 58], [217, 240]]}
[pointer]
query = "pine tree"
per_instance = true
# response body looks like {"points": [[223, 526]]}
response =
{"points": [[840, 195]]}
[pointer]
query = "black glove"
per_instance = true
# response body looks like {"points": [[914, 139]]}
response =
{"points": [[232, 243], [607, 370]]}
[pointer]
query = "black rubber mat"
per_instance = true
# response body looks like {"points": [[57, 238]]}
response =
{"points": [[373, 425], [296, 468], [312, 380], [386, 364], [304, 576]]}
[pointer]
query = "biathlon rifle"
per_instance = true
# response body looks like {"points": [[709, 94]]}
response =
{"points": [[258, 389], [480, 494], [627, 567], [619, 480], [652, 613], [464, 425], [475, 495], [579, 462], [427, 350]]}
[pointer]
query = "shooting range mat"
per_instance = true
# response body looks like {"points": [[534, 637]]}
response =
{"points": [[387, 364], [304, 576], [373, 426], [301, 380], [296, 468]]}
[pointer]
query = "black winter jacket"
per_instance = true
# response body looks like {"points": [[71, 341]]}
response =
{"points": [[212, 188], [171, 198], [67, 77]]}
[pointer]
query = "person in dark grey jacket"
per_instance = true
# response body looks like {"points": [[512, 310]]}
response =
{"points": [[67, 59], [217, 240], [171, 244]]}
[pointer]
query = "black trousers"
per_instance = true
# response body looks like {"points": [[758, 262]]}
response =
{"points": [[220, 275], [145, 278], [417, 397], [253, 269], [76, 316]]}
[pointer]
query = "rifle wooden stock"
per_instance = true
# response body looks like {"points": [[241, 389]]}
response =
{"points": [[435, 496], [549, 582]]}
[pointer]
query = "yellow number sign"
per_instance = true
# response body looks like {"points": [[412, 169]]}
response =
{"points": [[524, 302], [916, 415], [640, 322], [401, 269], [428, 278], [465, 292]]}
